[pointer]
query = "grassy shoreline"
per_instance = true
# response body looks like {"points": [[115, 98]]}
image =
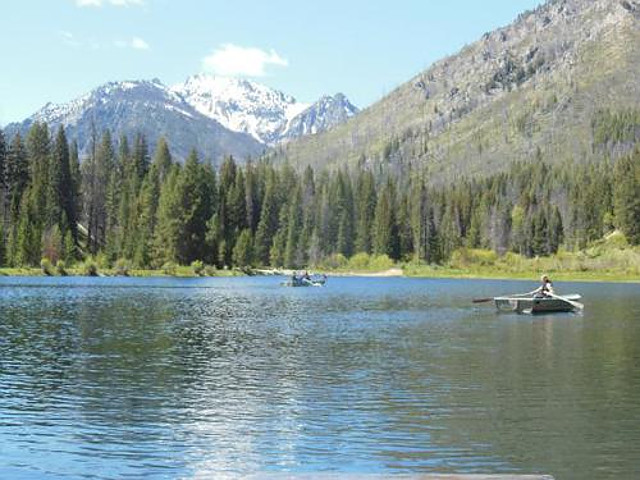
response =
{"points": [[610, 260], [409, 271], [181, 272]]}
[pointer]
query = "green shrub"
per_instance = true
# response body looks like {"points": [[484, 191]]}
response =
{"points": [[465, 257], [360, 261], [197, 267], [122, 267], [102, 261], [616, 240], [90, 268], [380, 263], [334, 262], [61, 268], [47, 266], [170, 268], [210, 271]]}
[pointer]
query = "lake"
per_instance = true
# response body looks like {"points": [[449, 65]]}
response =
{"points": [[220, 378]]}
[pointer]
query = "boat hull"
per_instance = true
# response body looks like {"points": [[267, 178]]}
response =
{"points": [[304, 283], [536, 305]]}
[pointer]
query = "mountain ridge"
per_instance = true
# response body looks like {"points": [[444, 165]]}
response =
{"points": [[242, 117], [531, 88]]}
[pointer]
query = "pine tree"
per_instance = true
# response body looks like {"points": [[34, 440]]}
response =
{"points": [[162, 160], [405, 234], [4, 199], [39, 154], [169, 223], [279, 243], [366, 207], [28, 235], [385, 234], [243, 250], [627, 196], [268, 225], [146, 220], [62, 202], [556, 231], [121, 203], [343, 208], [76, 177], [3, 246], [293, 254], [96, 171], [147, 204], [140, 158], [252, 197], [196, 204], [17, 168]]}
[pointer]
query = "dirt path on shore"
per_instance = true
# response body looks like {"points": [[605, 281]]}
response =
{"points": [[392, 272]]}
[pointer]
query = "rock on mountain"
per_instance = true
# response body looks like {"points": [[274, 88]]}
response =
{"points": [[535, 89], [147, 107], [268, 115]]}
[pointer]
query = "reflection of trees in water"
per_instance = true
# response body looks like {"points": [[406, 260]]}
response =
{"points": [[237, 379]]}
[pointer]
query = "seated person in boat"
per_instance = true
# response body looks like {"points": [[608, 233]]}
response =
{"points": [[546, 289]]}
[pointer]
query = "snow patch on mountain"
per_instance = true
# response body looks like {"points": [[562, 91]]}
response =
{"points": [[268, 115], [241, 105]]}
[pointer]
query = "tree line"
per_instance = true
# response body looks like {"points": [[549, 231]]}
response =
{"points": [[125, 205]]}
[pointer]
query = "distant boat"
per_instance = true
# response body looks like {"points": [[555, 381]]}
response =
{"points": [[532, 304], [314, 281]]}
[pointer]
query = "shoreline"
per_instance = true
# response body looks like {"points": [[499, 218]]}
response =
{"points": [[395, 272]]}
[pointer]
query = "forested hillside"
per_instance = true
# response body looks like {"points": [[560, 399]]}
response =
{"points": [[125, 207]]}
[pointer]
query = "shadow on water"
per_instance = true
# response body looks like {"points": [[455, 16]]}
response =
{"points": [[225, 377]]}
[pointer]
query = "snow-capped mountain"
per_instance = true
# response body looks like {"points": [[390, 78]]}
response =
{"points": [[217, 116], [268, 115], [147, 107]]}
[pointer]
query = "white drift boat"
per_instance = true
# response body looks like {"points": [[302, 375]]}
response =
{"points": [[532, 304]]}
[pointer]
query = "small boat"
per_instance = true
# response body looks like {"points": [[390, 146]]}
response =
{"points": [[532, 304], [305, 282]]}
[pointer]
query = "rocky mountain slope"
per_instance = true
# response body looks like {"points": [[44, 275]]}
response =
{"points": [[537, 88]]}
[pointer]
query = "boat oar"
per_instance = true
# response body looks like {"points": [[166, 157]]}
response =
{"points": [[482, 300], [490, 299], [576, 305]]}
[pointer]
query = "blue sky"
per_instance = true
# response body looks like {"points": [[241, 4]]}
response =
{"points": [[56, 50]]}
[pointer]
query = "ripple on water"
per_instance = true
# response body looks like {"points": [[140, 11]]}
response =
{"points": [[109, 378]]}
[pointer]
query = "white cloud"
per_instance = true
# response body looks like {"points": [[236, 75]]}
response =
{"points": [[126, 3], [88, 3], [139, 44], [231, 60], [136, 43], [115, 3]]}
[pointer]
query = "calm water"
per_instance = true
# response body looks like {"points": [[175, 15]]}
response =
{"points": [[164, 378]]}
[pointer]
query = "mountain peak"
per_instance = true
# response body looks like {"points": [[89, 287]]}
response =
{"points": [[241, 105]]}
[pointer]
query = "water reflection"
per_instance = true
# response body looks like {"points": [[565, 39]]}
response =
{"points": [[224, 377]]}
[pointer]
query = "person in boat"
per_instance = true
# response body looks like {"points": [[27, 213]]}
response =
{"points": [[306, 275], [546, 289]]}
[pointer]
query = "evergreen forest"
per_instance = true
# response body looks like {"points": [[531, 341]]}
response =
{"points": [[122, 204]]}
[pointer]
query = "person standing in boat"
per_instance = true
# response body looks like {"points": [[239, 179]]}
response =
{"points": [[546, 289]]}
